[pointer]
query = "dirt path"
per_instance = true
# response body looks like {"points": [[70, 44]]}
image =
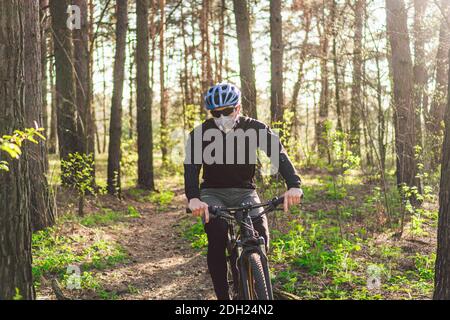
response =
{"points": [[163, 265]]}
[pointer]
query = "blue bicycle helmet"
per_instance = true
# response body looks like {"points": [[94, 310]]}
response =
{"points": [[222, 95]]}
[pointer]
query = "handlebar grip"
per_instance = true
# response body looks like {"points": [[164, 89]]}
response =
{"points": [[212, 211], [277, 201]]}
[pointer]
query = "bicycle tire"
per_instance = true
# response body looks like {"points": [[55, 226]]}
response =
{"points": [[260, 284]]}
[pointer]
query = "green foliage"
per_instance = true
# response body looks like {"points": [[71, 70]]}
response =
{"points": [[425, 266], [318, 249], [108, 216], [162, 198], [196, 235], [17, 296], [104, 217], [77, 172], [53, 253], [133, 212], [12, 144], [129, 160]]}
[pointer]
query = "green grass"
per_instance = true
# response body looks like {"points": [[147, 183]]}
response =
{"points": [[53, 253], [196, 235], [108, 216]]}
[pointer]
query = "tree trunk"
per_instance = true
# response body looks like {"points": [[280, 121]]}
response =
{"points": [[53, 121], [164, 130], [221, 13], [132, 80], [442, 268], [115, 127], [276, 60], [247, 71], [15, 226], [65, 80], [42, 215], [300, 74], [207, 79], [144, 114], [337, 88], [435, 117], [43, 18], [356, 108], [82, 59], [402, 74], [324, 101]]}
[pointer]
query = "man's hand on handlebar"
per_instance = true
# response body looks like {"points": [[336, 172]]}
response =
{"points": [[199, 208], [292, 197]]}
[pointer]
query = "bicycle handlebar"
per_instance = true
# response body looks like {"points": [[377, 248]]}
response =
{"points": [[223, 211]]}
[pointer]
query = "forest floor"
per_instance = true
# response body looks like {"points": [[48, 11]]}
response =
{"points": [[146, 247], [144, 256]]}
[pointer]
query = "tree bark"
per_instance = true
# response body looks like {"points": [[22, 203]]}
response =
{"points": [[52, 142], [434, 118], [356, 107], [164, 130], [42, 214], [43, 18], [419, 69], [207, 78], [300, 74], [15, 225], [247, 71], [324, 101], [442, 268], [144, 114], [65, 80], [276, 60], [115, 127], [402, 74]]}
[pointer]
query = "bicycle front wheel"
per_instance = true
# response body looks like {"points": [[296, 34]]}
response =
{"points": [[260, 286]]}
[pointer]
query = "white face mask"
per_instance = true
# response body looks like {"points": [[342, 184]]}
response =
{"points": [[225, 123]]}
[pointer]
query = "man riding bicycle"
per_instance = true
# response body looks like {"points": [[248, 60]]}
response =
{"points": [[228, 173]]}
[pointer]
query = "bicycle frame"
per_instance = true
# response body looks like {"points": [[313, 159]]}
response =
{"points": [[244, 244]]}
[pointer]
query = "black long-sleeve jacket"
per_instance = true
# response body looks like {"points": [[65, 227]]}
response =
{"points": [[229, 160]]}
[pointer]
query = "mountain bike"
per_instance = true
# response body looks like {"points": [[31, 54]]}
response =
{"points": [[249, 248]]}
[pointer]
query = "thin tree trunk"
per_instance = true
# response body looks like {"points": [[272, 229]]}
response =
{"points": [[115, 127], [65, 80], [42, 215], [144, 114], [355, 113], [435, 116], [52, 143], [247, 71], [221, 12], [132, 79], [276, 61], [337, 88], [402, 74], [324, 101], [164, 130], [206, 71], [43, 18], [442, 268], [81, 63], [419, 69], [15, 226], [300, 74]]}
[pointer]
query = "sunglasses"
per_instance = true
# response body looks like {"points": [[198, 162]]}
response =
{"points": [[225, 112]]}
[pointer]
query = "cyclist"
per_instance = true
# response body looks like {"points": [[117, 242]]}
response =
{"points": [[230, 183]]}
